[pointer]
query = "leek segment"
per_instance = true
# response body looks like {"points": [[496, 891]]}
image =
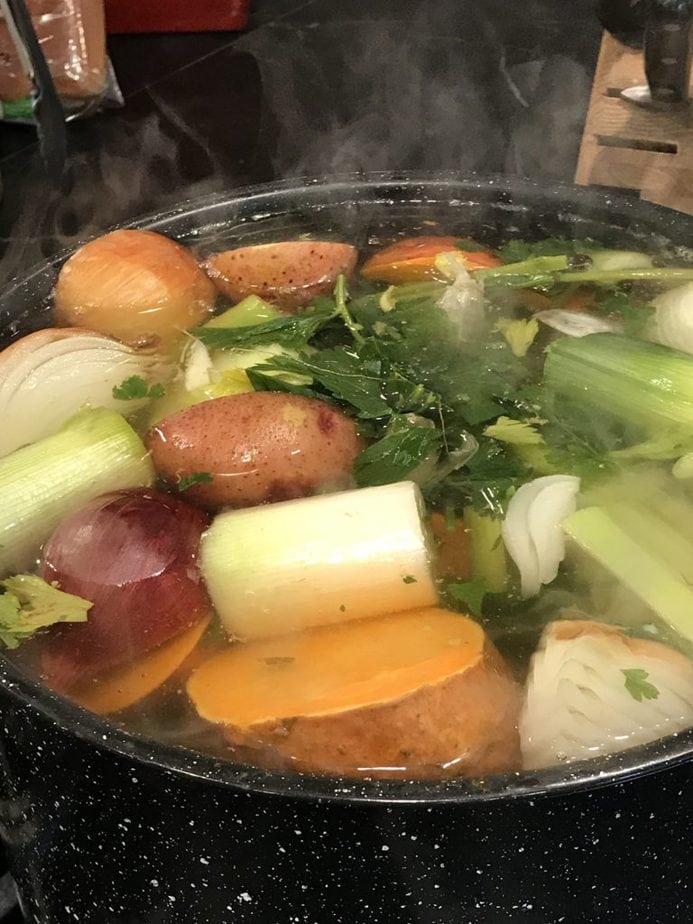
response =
{"points": [[319, 560], [95, 451]]}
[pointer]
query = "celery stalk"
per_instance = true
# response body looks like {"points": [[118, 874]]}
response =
{"points": [[96, 450], [252, 310], [638, 382], [487, 550], [637, 564]]}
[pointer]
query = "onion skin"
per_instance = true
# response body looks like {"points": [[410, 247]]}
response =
{"points": [[133, 554], [137, 286]]}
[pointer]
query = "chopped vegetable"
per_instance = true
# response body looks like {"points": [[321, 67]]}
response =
{"points": [[138, 286], [453, 553], [294, 330], [515, 432], [395, 456], [414, 259], [250, 312], [287, 273], [463, 300], [132, 553], [470, 594], [577, 704], [672, 324], [520, 333], [96, 450], [487, 551], [532, 528], [355, 546], [638, 685], [127, 685], [135, 387], [187, 481], [422, 692], [28, 604], [640, 383], [640, 562], [578, 323], [49, 375], [257, 448]]}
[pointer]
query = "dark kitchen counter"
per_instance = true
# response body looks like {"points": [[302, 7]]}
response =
{"points": [[313, 86]]}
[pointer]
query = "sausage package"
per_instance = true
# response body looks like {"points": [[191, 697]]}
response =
{"points": [[72, 37]]}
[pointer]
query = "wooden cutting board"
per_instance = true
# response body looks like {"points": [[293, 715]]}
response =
{"points": [[634, 147]]}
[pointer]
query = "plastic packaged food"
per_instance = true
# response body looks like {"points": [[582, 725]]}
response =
{"points": [[71, 34]]}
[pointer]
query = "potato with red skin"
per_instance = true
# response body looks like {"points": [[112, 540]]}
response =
{"points": [[137, 286], [258, 448], [289, 273]]}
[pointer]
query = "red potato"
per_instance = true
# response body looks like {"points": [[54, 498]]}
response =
{"points": [[289, 273], [137, 286], [133, 554], [257, 447]]}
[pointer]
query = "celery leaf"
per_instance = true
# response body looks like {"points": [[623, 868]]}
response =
{"points": [[29, 603], [135, 387]]}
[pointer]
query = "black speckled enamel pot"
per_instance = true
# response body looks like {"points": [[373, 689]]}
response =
{"points": [[103, 826]]}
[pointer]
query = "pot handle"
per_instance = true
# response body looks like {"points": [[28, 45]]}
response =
{"points": [[667, 42]]}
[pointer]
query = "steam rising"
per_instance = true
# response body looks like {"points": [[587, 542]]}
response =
{"points": [[463, 86]]}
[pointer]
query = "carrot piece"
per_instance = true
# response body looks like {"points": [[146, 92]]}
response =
{"points": [[452, 545], [128, 684], [288, 273], [413, 259], [580, 300], [419, 693]]}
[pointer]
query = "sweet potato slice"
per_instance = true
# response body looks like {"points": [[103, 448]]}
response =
{"points": [[413, 259], [129, 684], [288, 273], [420, 694]]}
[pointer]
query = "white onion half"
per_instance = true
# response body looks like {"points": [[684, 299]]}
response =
{"points": [[532, 530], [577, 704], [673, 318], [49, 374], [577, 323]]}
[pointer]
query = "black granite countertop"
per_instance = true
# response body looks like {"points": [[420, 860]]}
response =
{"points": [[312, 86]]}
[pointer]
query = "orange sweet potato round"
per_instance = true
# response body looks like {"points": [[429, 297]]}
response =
{"points": [[419, 694], [255, 448], [137, 286], [412, 259], [288, 273]]}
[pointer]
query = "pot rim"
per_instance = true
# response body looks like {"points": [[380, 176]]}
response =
{"points": [[659, 755]]}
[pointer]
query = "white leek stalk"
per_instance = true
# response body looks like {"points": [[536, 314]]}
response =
{"points": [[95, 451], [319, 560], [532, 530], [593, 690]]}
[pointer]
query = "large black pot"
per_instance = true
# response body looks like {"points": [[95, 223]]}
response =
{"points": [[103, 826]]}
